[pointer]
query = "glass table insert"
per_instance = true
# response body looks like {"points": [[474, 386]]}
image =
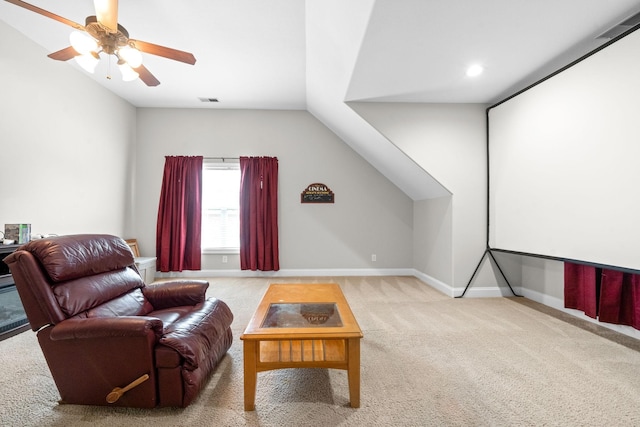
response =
{"points": [[302, 315]]}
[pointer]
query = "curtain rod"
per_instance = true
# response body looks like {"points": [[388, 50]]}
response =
{"points": [[222, 158]]}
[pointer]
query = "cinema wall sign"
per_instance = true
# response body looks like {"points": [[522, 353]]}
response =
{"points": [[317, 193]]}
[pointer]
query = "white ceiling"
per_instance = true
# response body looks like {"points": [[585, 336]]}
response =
{"points": [[317, 54], [418, 51], [249, 53], [253, 53]]}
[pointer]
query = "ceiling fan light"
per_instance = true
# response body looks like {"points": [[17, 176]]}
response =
{"points": [[82, 42], [128, 73], [131, 55], [88, 61]]}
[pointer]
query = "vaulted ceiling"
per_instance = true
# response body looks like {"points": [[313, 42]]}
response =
{"points": [[319, 54]]}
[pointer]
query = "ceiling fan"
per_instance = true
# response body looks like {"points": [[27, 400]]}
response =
{"points": [[102, 34]]}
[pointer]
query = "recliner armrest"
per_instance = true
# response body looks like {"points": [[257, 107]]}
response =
{"points": [[175, 293], [196, 333], [107, 327]]}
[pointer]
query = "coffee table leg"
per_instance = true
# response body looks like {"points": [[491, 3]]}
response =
{"points": [[250, 374], [353, 372]]}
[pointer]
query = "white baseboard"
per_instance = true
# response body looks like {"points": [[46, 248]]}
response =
{"points": [[472, 292], [434, 283], [291, 273], [490, 292]]}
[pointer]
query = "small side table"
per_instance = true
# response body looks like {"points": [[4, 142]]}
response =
{"points": [[147, 268]]}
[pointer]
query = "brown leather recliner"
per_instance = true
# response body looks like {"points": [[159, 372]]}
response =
{"points": [[100, 328]]}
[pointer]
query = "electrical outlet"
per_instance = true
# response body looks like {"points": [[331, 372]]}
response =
{"points": [[373, 257], [224, 258]]}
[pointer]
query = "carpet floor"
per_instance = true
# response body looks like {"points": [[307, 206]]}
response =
{"points": [[427, 360]]}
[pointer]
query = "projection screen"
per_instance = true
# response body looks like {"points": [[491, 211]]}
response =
{"points": [[564, 162]]}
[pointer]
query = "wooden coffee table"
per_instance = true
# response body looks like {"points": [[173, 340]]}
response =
{"points": [[302, 326]]}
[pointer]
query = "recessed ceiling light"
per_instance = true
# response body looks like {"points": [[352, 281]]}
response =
{"points": [[475, 70]]}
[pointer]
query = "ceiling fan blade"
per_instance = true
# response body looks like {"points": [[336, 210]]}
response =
{"points": [[167, 52], [107, 14], [64, 54], [48, 14], [146, 76]]}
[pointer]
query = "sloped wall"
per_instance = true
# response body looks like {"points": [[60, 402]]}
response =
{"points": [[448, 141]]}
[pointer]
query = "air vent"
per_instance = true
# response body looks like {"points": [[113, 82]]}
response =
{"points": [[209, 99], [621, 28]]}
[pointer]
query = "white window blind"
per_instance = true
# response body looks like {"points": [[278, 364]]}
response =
{"points": [[221, 206]]}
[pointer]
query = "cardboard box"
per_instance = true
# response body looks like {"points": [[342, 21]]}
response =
{"points": [[21, 233]]}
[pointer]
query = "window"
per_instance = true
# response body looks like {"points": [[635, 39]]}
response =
{"points": [[221, 206]]}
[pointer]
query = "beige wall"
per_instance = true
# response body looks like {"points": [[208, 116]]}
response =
{"points": [[448, 141], [66, 145], [370, 215], [433, 239]]}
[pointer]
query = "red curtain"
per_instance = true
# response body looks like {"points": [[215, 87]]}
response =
{"points": [[581, 288], [259, 213], [620, 298], [609, 295], [180, 215]]}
